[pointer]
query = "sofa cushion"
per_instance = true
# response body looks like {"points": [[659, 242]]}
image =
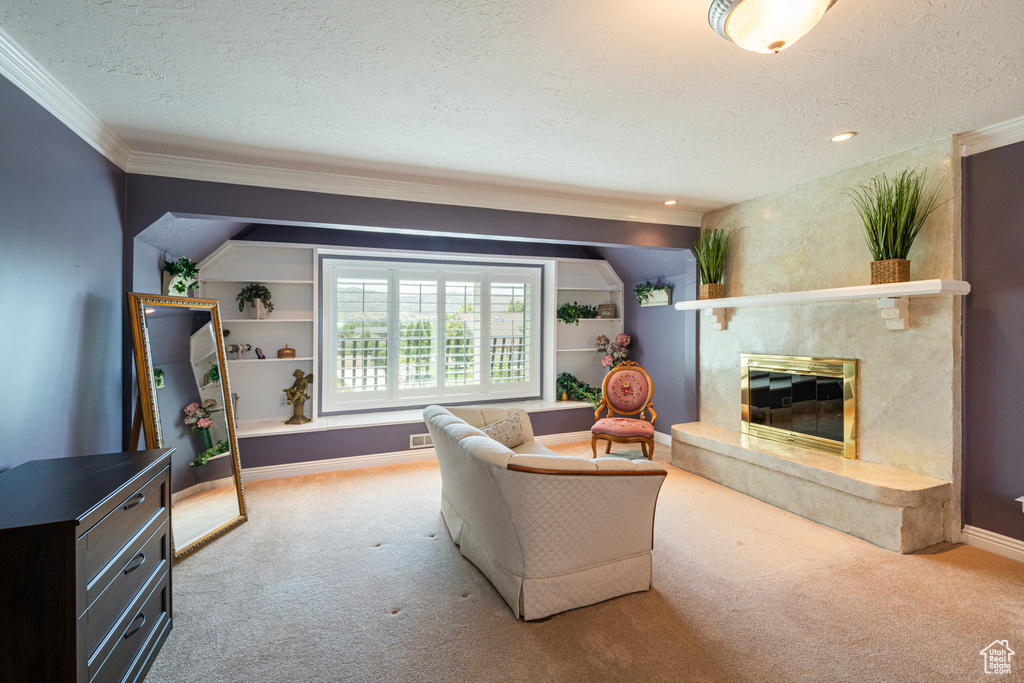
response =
{"points": [[553, 462], [533, 448], [508, 432], [623, 426]]}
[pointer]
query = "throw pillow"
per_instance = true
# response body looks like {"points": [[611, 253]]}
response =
{"points": [[508, 432]]}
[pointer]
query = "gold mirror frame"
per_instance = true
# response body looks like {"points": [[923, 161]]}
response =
{"points": [[148, 407]]}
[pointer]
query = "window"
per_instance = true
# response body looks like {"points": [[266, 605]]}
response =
{"points": [[409, 333]]}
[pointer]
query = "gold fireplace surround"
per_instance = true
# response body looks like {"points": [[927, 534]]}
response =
{"points": [[805, 401]]}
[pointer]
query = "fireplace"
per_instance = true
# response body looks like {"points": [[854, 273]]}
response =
{"points": [[809, 402]]}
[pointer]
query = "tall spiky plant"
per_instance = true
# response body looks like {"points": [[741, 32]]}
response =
{"points": [[710, 249], [893, 211]]}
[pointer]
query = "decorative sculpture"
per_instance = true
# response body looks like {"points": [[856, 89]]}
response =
{"points": [[297, 397]]}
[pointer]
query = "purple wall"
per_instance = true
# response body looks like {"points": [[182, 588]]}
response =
{"points": [[61, 218], [664, 340], [993, 222], [261, 451]]}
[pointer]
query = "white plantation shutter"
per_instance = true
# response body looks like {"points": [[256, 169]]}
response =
{"points": [[360, 355], [407, 333]]}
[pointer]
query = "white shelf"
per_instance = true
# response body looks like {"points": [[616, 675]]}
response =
{"points": [[262, 281], [892, 299], [266, 360], [595, 320], [591, 350], [267, 320], [588, 289]]}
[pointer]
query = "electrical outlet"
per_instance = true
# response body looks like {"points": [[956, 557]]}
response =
{"points": [[284, 400]]}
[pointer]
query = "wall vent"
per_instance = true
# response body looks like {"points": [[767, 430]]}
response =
{"points": [[420, 441]]}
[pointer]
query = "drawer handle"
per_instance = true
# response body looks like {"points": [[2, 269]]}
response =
{"points": [[136, 629], [136, 566], [141, 497]]}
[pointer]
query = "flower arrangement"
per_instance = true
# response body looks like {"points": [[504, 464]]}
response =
{"points": [[197, 415], [615, 351]]}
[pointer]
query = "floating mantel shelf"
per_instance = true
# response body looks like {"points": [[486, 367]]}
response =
{"points": [[892, 299]]}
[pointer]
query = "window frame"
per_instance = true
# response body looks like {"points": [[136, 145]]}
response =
{"points": [[485, 271]]}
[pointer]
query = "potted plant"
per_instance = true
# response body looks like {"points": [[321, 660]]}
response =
{"points": [[258, 298], [648, 294], [158, 378], [571, 314], [204, 457], [710, 250], [180, 277], [893, 211]]}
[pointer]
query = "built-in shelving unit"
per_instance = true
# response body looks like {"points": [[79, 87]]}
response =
{"points": [[892, 299], [288, 272], [593, 283]]}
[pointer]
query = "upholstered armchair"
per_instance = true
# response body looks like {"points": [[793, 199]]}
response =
{"points": [[626, 394]]}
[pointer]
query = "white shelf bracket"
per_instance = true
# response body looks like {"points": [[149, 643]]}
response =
{"points": [[716, 316], [895, 312], [1021, 501]]}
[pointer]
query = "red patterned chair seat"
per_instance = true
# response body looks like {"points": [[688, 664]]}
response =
{"points": [[623, 426]]}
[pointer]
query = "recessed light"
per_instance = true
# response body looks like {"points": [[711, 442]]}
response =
{"points": [[671, 202], [843, 137]]}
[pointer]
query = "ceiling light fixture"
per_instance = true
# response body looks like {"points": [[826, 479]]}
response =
{"points": [[671, 202], [766, 25], [843, 137]]}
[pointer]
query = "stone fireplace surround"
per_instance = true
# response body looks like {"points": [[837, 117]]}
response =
{"points": [[903, 492]]}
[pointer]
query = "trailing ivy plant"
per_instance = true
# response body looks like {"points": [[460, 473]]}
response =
{"points": [[571, 314], [184, 273], [644, 290], [710, 250], [252, 292], [567, 383], [204, 457], [893, 211]]}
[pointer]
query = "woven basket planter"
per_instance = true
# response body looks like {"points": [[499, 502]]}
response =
{"points": [[889, 271], [715, 290]]}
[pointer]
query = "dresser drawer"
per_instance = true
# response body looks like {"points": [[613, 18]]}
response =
{"points": [[134, 568], [131, 635], [105, 540]]}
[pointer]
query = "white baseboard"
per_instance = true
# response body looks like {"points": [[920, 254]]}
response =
{"points": [[993, 542], [663, 438]]}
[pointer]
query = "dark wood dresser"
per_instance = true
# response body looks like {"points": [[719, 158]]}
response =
{"points": [[85, 567]]}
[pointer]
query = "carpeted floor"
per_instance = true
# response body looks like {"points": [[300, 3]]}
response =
{"points": [[352, 576]]}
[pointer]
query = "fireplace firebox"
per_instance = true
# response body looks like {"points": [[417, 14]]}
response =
{"points": [[809, 402]]}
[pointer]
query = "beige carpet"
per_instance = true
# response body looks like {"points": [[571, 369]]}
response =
{"points": [[352, 576]]}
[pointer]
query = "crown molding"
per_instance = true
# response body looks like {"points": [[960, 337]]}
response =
{"points": [[488, 197], [991, 137], [25, 72]]}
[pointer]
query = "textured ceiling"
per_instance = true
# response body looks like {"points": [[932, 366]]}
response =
{"points": [[628, 98]]}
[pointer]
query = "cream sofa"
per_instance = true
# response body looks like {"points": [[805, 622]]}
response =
{"points": [[550, 532]]}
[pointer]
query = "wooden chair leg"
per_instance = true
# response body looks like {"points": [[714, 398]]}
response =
{"points": [[593, 444], [650, 449], [608, 448]]}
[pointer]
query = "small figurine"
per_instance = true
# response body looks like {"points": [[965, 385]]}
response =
{"points": [[259, 353], [297, 397]]}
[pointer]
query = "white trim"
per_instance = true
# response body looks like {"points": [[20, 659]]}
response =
{"points": [[991, 137], [20, 68], [453, 193], [663, 438], [993, 542]]}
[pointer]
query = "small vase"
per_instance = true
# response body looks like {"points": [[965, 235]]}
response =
{"points": [[565, 396], [257, 311], [204, 434], [715, 290], [890, 271]]}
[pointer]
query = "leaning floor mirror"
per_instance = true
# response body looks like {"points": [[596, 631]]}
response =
{"points": [[184, 402]]}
